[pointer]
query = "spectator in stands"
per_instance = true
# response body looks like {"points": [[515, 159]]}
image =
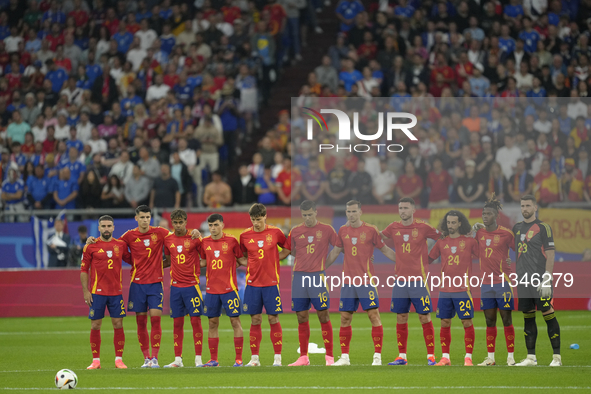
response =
{"points": [[13, 195], [243, 188], [65, 190], [149, 165], [38, 189], [314, 182], [572, 182], [137, 189], [410, 183], [361, 184], [181, 175], [470, 187], [438, 181], [326, 74], [520, 183], [217, 193], [211, 140], [508, 155], [90, 191], [123, 168], [546, 186], [265, 188], [283, 182], [384, 184], [17, 129], [58, 246], [77, 244], [338, 183], [165, 191]]}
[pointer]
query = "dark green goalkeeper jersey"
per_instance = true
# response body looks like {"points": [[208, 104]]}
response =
{"points": [[532, 241]]}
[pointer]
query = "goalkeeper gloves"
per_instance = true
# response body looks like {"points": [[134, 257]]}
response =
{"points": [[545, 287]]}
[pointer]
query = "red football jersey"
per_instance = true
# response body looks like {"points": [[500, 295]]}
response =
{"points": [[103, 260], [184, 259], [263, 255], [311, 246], [456, 260], [221, 255], [494, 250], [410, 244], [358, 244], [146, 253]]}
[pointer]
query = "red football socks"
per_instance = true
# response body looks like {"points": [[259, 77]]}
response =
{"points": [[469, 336], [213, 347], [277, 337], [255, 339], [95, 343], [402, 335], [142, 334], [429, 335], [345, 335], [491, 339], [327, 337], [304, 335], [445, 338], [197, 334], [238, 343], [119, 341], [510, 338], [377, 333], [178, 334], [155, 335]]}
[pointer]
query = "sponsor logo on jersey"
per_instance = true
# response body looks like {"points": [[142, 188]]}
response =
{"points": [[488, 242], [216, 253], [251, 241], [137, 240], [406, 237], [347, 236], [146, 242], [261, 244], [397, 233], [179, 248], [109, 253], [208, 248], [482, 239], [354, 240], [302, 236], [453, 249], [310, 239], [446, 247], [101, 251]]}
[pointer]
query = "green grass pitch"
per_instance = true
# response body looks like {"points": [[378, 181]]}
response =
{"points": [[33, 349]]}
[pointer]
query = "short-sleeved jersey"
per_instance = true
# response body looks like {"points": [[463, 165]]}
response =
{"points": [[103, 262], [310, 245], [146, 254], [532, 240], [184, 259], [493, 248], [263, 255], [410, 244], [358, 244], [221, 255], [456, 260]]}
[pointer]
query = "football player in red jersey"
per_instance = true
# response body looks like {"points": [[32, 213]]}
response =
{"points": [[357, 240], [309, 244], [494, 242], [146, 245], [182, 255], [103, 260], [259, 244], [410, 236], [220, 252], [456, 250]]}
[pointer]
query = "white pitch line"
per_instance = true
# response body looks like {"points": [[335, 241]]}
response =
{"points": [[458, 327], [316, 388]]}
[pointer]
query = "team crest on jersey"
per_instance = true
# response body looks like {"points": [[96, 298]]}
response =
{"points": [[109, 253], [154, 237], [488, 242], [462, 245], [261, 244], [354, 240], [116, 250], [179, 248], [453, 249], [146, 242], [310, 239], [415, 232], [522, 237], [216, 253], [92, 313], [362, 237], [187, 244], [318, 234], [497, 239], [530, 234], [269, 239], [224, 246], [405, 237]]}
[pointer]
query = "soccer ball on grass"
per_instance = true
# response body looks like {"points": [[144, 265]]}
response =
{"points": [[66, 379]]}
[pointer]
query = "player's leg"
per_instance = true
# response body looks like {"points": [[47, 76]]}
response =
{"points": [[377, 334], [213, 339], [303, 337], [490, 316], [428, 336], [507, 318], [465, 310], [553, 329], [116, 307], [194, 305], [272, 303], [445, 312], [253, 305], [527, 305], [238, 339], [155, 298], [400, 305], [327, 336], [177, 313], [469, 336], [345, 334], [138, 303], [95, 342]]}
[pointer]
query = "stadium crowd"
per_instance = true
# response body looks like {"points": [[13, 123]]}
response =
{"points": [[116, 103]]}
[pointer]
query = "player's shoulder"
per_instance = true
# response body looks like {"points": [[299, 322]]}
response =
{"points": [[371, 227], [162, 230], [423, 223], [545, 226], [246, 231], [327, 226], [506, 230], [129, 232], [393, 225], [227, 237]]}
